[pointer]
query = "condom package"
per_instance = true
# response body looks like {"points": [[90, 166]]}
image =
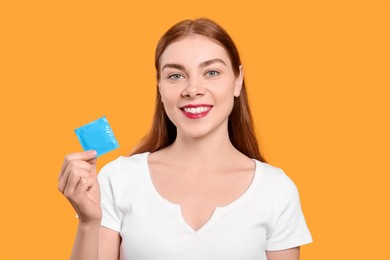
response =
{"points": [[97, 136]]}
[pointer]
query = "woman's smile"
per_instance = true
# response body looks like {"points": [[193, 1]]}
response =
{"points": [[197, 77], [196, 111]]}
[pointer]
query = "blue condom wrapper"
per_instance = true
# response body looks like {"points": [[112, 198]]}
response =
{"points": [[97, 136]]}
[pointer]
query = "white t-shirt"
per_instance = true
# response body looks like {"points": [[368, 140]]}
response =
{"points": [[267, 216]]}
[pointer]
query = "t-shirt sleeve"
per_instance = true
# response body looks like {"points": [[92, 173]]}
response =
{"points": [[290, 229], [112, 217]]}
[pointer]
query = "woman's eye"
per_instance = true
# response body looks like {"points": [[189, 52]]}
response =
{"points": [[175, 76], [212, 73]]}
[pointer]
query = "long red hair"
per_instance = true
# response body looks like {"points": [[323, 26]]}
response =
{"points": [[240, 126]]}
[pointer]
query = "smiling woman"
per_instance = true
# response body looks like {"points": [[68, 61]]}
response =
{"points": [[197, 186], [199, 84]]}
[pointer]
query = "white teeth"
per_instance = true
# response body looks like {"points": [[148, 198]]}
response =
{"points": [[197, 110]]}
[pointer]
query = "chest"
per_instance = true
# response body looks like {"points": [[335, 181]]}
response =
{"points": [[238, 232], [217, 218], [200, 196]]}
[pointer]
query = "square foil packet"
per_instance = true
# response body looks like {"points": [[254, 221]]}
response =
{"points": [[97, 136]]}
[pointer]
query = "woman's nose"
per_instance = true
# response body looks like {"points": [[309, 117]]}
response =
{"points": [[193, 89]]}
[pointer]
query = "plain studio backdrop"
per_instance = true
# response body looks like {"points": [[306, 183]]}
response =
{"points": [[318, 80]]}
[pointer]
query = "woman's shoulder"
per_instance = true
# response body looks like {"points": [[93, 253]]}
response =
{"points": [[269, 169], [271, 175], [125, 166]]}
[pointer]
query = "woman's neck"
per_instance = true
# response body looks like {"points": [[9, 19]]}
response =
{"points": [[209, 151]]}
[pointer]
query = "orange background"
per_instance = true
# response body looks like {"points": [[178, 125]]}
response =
{"points": [[318, 80]]}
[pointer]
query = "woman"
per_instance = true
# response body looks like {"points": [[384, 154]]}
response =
{"points": [[197, 186]]}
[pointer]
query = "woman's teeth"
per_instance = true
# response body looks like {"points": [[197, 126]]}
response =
{"points": [[197, 110]]}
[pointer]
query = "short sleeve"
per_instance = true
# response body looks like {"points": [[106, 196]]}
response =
{"points": [[112, 218], [290, 229]]}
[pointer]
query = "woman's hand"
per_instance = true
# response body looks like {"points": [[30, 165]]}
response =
{"points": [[78, 182]]}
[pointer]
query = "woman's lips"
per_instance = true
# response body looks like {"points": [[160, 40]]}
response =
{"points": [[196, 111]]}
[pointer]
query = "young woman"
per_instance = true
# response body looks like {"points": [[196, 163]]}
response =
{"points": [[197, 186]]}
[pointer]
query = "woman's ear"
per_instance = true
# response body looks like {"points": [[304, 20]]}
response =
{"points": [[159, 91], [239, 82], [158, 86]]}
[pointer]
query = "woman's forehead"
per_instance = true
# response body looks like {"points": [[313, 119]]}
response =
{"points": [[193, 50]]}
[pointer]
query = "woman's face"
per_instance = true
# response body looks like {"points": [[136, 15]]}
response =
{"points": [[197, 85]]}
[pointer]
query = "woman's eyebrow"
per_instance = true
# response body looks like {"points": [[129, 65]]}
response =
{"points": [[209, 62], [202, 64], [173, 66]]}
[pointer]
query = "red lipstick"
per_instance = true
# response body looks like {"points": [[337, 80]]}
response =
{"points": [[196, 111]]}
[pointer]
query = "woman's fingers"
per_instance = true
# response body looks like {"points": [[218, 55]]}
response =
{"points": [[82, 156], [93, 162], [78, 182], [74, 162], [73, 181], [85, 184], [72, 168]]}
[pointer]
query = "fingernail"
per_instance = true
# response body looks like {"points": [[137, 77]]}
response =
{"points": [[93, 152]]}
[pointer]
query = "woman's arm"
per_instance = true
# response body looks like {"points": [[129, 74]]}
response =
{"points": [[95, 242], [78, 182], [288, 254], [86, 242], [109, 244]]}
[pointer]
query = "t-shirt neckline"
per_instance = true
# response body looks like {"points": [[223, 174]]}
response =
{"points": [[218, 210]]}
